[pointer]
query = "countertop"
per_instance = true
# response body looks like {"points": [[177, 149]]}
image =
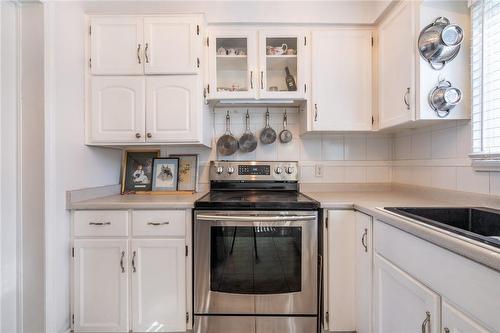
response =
{"points": [[369, 202]]}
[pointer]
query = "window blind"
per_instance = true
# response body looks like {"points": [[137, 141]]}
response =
{"points": [[486, 78]]}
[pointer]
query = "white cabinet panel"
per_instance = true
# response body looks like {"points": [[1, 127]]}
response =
{"points": [[158, 285], [401, 303], [172, 103], [363, 244], [341, 80], [100, 223], [171, 223], [117, 109], [116, 45], [100, 286], [170, 45], [455, 321], [397, 52]]}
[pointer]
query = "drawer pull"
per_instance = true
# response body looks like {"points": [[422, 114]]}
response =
{"points": [[426, 323], [363, 240], [99, 223], [158, 223], [133, 262]]}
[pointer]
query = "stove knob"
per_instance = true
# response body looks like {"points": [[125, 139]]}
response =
{"points": [[278, 170], [230, 170], [290, 170], [219, 170]]}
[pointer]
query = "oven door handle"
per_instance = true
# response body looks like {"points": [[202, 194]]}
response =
{"points": [[236, 218]]}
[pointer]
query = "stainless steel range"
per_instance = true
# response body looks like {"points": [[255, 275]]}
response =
{"points": [[256, 255]]}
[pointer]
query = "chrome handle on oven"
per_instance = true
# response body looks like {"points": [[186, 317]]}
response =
{"points": [[274, 218]]}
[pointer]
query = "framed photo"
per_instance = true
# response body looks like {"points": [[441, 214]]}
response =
{"points": [[137, 168], [165, 174], [188, 172]]}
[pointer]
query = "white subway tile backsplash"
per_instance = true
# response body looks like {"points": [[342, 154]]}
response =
{"points": [[421, 145], [378, 148], [333, 148], [402, 147], [469, 180], [334, 174], [444, 177], [444, 143], [310, 149], [354, 174], [378, 174]]}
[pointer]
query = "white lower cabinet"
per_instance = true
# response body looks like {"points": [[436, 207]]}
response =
{"points": [[363, 274], [100, 285], [401, 303], [455, 321], [122, 283], [158, 285]]}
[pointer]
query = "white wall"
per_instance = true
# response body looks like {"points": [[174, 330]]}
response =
{"points": [[8, 167], [437, 156]]}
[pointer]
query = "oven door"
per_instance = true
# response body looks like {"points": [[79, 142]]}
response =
{"points": [[248, 262]]}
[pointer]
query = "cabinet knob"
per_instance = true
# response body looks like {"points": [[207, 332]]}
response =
{"points": [[138, 135], [149, 135]]}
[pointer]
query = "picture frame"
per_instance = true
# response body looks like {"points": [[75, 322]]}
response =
{"points": [[165, 174], [188, 172], [137, 168]]}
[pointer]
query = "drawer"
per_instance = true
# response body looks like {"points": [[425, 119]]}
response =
{"points": [[159, 223], [98, 223]]}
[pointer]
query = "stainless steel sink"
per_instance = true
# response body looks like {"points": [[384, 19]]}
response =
{"points": [[481, 224]]}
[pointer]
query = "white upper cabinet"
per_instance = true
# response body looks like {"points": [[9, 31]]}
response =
{"points": [[116, 109], [158, 285], [341, 80], [116, 45], [233, 63], [397, 52], [282, 56], [101, 285], [401, 303], [171, 45], [171, 104]]}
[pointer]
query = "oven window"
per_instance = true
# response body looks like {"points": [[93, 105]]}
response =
{"points": [[256, 260]]}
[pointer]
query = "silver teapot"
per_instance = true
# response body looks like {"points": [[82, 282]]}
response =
{"points": [[439, 42]]}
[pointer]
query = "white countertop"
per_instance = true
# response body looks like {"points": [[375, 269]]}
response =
{"points": [[368, 202]]}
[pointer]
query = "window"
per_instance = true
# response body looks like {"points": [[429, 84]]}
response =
{"points": [[486, 82]]}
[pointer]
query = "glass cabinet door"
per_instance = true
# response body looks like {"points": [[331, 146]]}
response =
{"points": [[232, 65], [282, 65]]}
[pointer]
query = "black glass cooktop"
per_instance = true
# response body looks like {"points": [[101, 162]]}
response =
{"points": [[256, 199]]}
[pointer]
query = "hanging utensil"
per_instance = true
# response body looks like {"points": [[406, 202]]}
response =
{"points": [[227, 144], [285, 135], [268, 135], [444, 97], [248, 141], [439, 42]]}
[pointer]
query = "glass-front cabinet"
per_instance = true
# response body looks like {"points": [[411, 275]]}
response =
{"points": [[233, 64], [281, 59], [250, 64]]}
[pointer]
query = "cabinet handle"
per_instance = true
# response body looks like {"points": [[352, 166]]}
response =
{"points": [[363, 239], [99, 223], [315, 112], [133, 262], [446, 330], [158, 223], [146, 53], [139, 53], [138, 135], [198, 62], [121, 262], [149, 135], [406, 97], [261, 79], [251, 79], [426, 322]]}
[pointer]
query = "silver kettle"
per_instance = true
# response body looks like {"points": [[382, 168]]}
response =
{"points": [[439, 42], [444, 97]]}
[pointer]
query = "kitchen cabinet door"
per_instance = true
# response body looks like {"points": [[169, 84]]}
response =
{"points": [[397, 52], [100, 285], [158, 285], [116, 45], [363, 241], [117, 109], [172, 108], [233, 64], [401, 303], [279, 52], [172, 45], [455, 321], [341, 80]]}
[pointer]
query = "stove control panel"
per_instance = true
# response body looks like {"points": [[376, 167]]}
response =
{"points": [[254, 170]]}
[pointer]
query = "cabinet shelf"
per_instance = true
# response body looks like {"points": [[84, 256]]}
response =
{"points": [[231, 56], [281, 56]]}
